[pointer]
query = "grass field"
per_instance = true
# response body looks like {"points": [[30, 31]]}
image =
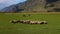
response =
{"points": [[53, 26]]}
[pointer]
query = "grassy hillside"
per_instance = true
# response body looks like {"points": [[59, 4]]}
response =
{"points": [[53, 26]]}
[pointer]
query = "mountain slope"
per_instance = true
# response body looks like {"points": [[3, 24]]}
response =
{"points": [[31, 5]]}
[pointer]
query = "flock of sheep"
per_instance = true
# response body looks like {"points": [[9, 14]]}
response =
{"points": [[28, 22]]}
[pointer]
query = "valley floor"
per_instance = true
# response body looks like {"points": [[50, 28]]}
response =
{"points": [[53, 26]]}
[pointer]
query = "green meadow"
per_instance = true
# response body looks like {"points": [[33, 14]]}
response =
{"points": [[53, 26]]}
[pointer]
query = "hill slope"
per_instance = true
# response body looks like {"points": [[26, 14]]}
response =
{"points": [[32, 5]]}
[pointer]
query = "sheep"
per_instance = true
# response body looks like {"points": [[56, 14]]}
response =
{"points": [[40, 22], [28, 22], [25, 21], [21, 21], [14, 21], [43, 22], [18, 21], [33, 22], [36, 22]]}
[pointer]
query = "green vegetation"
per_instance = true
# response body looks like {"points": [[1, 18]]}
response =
{"points": [[53, 26]]}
